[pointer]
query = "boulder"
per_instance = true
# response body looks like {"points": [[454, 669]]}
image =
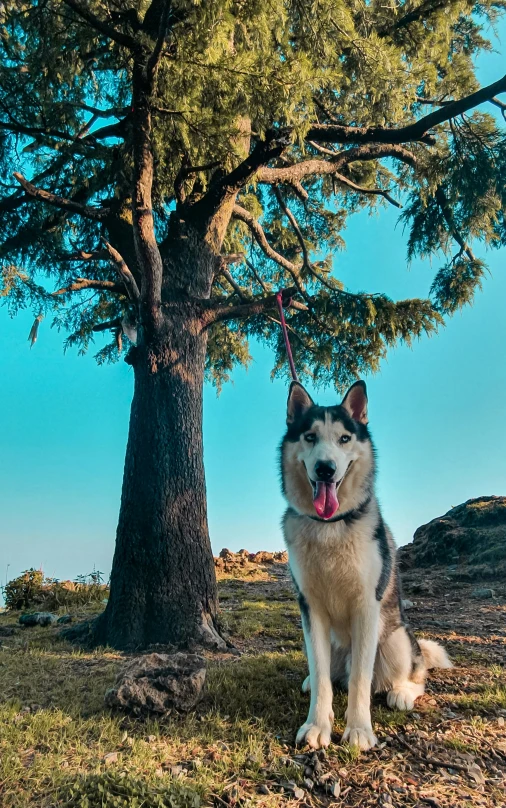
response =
{"points": [[8, 631], [38, 619], [473, 533], [157, 683]]}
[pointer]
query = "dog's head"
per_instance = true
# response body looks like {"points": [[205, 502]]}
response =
{"points": [[327, 456]]}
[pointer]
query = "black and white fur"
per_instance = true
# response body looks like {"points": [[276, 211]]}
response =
{"points": [[345, 572]]}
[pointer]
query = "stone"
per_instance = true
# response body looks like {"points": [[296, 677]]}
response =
{"points": [[110, 758], [482, 593], [8, 631], [475, 532], [38, 619], [157, 683], [335, 789], [476, 773], [407, 604], [500, 721]]}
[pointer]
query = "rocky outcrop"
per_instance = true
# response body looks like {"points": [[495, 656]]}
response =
{"points": [[229, 561], [472, 534], [158, 683]]}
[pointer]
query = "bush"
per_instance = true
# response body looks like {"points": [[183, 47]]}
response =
{"points": [[32, 590]]}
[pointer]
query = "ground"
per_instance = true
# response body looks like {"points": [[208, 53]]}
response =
{"points": [[60, 746]]}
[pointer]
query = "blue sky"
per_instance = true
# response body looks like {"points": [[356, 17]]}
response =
{"points": [[436, 414]]}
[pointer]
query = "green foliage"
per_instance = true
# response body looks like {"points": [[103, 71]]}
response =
{"points": [[455, 284], [66, 123], [32, 590]]}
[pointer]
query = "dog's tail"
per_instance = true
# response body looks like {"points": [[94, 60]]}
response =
{"points": [[434, 655]]}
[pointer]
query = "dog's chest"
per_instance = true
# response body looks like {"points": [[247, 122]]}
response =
{"points": [[334, 567]]}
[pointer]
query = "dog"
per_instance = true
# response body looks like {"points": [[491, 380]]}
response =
{"points": [[342, 559]]}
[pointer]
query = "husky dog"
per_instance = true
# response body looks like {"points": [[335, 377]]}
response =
{"points": [[342, 559]]}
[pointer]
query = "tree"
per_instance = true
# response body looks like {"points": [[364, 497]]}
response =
{"points": [[169, 165]]}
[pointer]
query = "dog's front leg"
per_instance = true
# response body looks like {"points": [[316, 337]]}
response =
{"points": [[318, 727], [364, 643]]}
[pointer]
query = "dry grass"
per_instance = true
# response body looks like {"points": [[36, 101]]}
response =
{"points": [[237, 747]]}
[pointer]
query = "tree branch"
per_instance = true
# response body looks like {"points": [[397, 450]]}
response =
{"points": [[97, 214], [316, 167], [295, 225], [417, 131], [90, 283], [146, 247], [154, 59], [102, 27], [229, 185], [250, 308], [360, 189], [108, 325], [126, 276], [450, 221], [256, 228]]}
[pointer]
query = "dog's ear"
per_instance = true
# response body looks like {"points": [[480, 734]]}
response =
{"points": [[355, 402], [298, 402]]}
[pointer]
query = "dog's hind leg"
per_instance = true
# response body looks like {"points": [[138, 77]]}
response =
{"points": [[317, 729], [400, 669]]}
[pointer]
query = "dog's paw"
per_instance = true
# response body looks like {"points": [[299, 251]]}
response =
{"points": [[314, 735], [306, 685], [404, 697], [363, 737]]}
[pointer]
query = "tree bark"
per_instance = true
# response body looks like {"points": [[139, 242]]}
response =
{"points": [[163, 584]]}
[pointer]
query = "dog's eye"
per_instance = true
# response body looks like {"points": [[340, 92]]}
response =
{"points": [[344, 439], [310, 437]]}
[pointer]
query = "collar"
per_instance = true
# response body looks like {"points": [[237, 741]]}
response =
{"points": [[347, 516]]}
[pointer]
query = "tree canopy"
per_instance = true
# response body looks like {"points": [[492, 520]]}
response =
{"points": [[266, 125]]}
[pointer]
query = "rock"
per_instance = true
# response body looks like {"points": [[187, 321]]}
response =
{"points": [[157, 683], [8, 631], [482, 593], [476, 773], [407, 604], [474, 531], [308, 783], [110, 758], [38, 619], [335, 789], [65, 619], [500, 721], [298, 793]]}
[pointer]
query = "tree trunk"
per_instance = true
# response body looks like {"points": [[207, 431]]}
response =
{"points": [[163, 584]]}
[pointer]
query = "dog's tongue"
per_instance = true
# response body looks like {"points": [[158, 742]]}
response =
{"points": [[325, 500]]}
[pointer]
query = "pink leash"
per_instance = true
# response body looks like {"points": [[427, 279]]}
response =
{"points": [[279, 299]]}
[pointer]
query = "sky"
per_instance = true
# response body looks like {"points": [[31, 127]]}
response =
{"points": [[436, 415]]}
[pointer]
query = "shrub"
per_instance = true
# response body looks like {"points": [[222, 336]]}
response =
{"points": [[32, 590]]}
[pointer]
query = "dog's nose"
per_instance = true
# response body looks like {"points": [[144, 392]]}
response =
{"points": [[325, 470]]}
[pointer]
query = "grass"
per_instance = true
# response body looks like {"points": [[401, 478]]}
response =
{"points": [[60, 746]]}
